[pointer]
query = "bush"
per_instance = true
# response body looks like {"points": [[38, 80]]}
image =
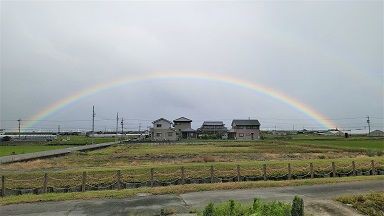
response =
{"points": [[6, 139], [297, 207], [208, 211], [258, 208]]}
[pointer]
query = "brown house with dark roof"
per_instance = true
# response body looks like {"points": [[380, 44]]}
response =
{"points": [[245, 129]]}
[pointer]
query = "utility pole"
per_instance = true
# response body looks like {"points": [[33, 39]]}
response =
{"points": [[19, 120], [58, 130], [117, 125], [93, 123], [93, 119], [122, 126], [369, 125], [139, 128]]}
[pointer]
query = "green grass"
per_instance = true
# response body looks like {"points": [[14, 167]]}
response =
{"points": [[371, 204], [9, 148], [175, 189], [351, 143], [79, 140], [258, 208], [22, 149]]}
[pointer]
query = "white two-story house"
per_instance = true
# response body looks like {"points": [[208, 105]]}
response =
{"points": [[162, 131]]}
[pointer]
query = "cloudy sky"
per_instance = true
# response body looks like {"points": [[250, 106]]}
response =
{"points": [[326, 54]]}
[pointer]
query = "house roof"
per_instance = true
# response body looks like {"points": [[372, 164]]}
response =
{"points": [[213, 123], [188, 130], [161, 119], [182, 119], [245, 122]]}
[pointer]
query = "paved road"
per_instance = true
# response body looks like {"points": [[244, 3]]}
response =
{"points": [[51, 153], [318, 201]]}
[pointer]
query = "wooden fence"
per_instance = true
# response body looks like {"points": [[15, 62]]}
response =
{"points": [[84, 181]]}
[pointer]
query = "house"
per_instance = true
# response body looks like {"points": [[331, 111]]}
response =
{"points": [[376, 133], [248, 129], [162, 130], [213, 128], [183, 128]]}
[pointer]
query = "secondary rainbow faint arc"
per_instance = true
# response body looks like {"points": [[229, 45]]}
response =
{"points": [[59, 104]]}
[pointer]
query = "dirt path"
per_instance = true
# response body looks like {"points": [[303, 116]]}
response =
{"points": [[317, 198]]}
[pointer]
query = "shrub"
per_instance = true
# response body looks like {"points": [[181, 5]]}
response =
{"points": [[208, 211], [258, 208], [297, 207], [6, 139]]}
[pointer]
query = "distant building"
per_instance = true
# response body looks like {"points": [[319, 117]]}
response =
{"points": [[377, 133], [247, 129], [162, 130], [213, 128], [183, 128]]}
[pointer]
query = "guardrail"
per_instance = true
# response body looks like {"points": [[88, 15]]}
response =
{"points": [[120, 179]]}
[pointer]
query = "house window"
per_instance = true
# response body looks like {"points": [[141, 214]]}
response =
{"points": [[158, 134], [158, 125], [241, 135], [170, 134]]}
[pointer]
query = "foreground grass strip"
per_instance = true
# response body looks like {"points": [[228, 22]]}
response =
{"points": [[175, 189], [371, 204]]}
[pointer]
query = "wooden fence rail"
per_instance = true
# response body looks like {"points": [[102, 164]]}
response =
{"points": [[236, 175]]}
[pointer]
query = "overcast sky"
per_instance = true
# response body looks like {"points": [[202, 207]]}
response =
{"points": [[328, 55]]}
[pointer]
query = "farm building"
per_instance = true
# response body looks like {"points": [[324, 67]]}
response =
{"points": [[162, 130], [183, 128], [245, 129], [213, 128]]}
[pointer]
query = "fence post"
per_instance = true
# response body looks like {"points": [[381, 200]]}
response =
{"points": [[118, 173], [182, 175], [265, 172], [3, 186], [152, 178], [45, 183], [289, 171], [311, 169], [238, 173], [333, 169], [212, 174], [84, 181], [373, 167], [353, 168]]}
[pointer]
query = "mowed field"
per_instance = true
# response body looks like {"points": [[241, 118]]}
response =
{"points": [[201, 152]]}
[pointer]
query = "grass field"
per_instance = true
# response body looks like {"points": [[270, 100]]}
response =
{"points": [[353, 143], [197, 157], [202, 152], [371, 204], [21, 149], [10, 148]]}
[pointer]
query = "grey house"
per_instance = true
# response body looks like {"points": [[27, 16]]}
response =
{"points": [[183, 128], [162, 130], [213, 128], [245, 129]]}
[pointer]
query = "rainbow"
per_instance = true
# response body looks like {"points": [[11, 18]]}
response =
{"points": [[60, 104]]}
